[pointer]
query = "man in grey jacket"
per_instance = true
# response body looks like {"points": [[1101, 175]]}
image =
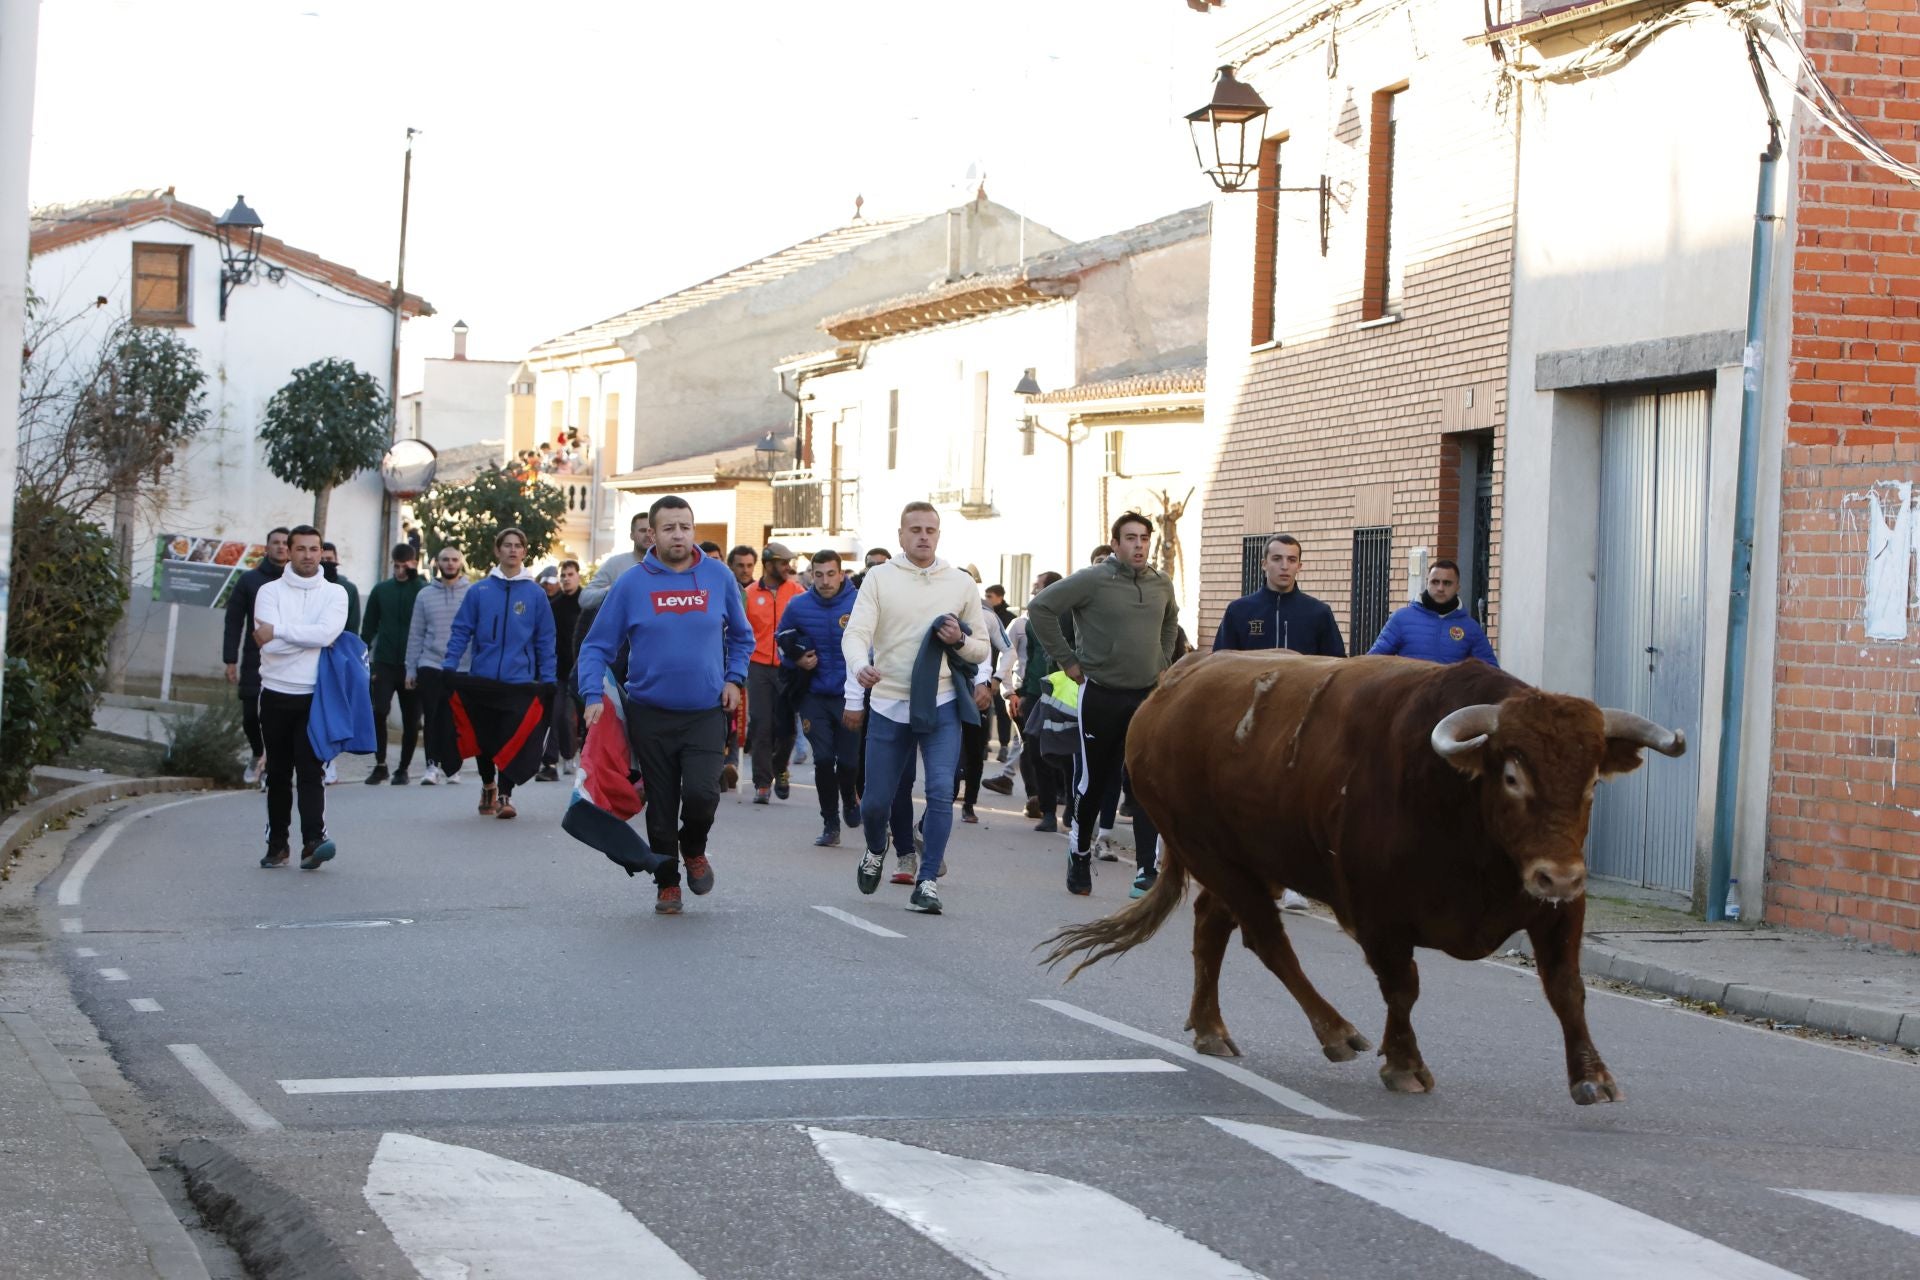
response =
{"points": [[1124, 620], [433, 612], [609, 570]]}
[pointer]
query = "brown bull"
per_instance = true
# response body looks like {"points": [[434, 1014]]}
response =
{"points": [[1428, 806]]}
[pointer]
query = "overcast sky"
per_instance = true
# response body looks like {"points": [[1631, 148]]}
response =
{"points": [[579, 157]]}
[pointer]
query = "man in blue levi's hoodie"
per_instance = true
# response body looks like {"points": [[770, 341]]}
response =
{"points": [[680, 615], [507, 621], [808, 642], [1435, 628]]}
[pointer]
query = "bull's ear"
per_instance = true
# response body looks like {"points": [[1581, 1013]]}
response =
{"points": [[1621, 756]]}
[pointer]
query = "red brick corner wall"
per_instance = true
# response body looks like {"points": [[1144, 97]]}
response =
{"points": [[1843, 829]]}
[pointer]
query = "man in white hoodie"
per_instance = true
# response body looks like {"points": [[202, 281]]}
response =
{"points": [[294, 617], [905, 605]]}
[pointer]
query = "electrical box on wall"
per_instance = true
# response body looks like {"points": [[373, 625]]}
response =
{"points": [[1416, 573]]}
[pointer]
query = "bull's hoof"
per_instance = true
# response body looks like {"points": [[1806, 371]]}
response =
{"points": [[1407, 1079], [1344, 1045], [1604, 1089], [1216, 1045]]}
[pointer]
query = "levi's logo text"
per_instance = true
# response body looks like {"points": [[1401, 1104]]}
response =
{"points": [[680, 601]]}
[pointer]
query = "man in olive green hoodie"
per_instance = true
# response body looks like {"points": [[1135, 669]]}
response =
{"points": [[1124, 620], [389, 614]]}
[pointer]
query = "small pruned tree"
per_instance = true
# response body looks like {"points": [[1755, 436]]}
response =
{"points": [[324, 428], [468, 515]]}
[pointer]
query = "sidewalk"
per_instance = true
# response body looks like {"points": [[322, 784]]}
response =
{"points": [[75, 1199]]}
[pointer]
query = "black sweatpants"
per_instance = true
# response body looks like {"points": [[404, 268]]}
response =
{"points": [[973, 760], [1104, 717], [679, 753], [389, 679], [769, 723], [250, 719], [430, 695], [283, 729]]}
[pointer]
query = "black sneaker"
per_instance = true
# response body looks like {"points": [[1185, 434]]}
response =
{"points": [[1079, 874], [852, 814], [320, 851], [1001, 786], [925, 899], [967, 814], [378, 776], [781, 787], [1047, 823], [546, 773], [829, 838], [399, 777], [871, 865], [276, 858]]}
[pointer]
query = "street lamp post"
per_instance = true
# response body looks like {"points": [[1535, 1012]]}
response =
{"points": [[1074, 434], [238, 231], [1228, 134]]}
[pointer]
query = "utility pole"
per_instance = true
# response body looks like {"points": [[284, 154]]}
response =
{"points": [[19, 38], [387, 531]]}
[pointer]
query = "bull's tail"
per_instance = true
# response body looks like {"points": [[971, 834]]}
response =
{"points": [[1126, 928]]}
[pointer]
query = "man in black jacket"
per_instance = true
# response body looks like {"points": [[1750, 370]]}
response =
{"points": [[562, 586], [239, 651], [1280, 615]]}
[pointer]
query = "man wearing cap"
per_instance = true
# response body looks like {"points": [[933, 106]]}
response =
{"points": [[388, 619], [769, 712]]}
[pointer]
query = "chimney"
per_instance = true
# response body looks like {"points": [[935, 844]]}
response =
{"points": [[955, 234], [459, 339]]}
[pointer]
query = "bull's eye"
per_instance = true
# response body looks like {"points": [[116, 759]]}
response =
{"points": [[1516, 782]]}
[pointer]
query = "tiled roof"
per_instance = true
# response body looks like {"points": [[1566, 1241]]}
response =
{"points": [[1189, 380], [737, 461], [1050, 275], [56, 226], [761, 271]]}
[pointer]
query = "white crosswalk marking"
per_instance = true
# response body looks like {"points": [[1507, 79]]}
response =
{"points": [[458, 1213], [1899, 1212], [1551, 1231], [1014, 1224]]}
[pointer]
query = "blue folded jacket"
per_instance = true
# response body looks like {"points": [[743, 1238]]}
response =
{"points": [[342, 714]]}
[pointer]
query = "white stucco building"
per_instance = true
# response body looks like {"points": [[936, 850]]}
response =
{"points": [[920, 400], [461, 402], [154, 259]]}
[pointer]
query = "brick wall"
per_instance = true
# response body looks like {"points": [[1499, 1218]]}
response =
{"points": [[1843, 830]]}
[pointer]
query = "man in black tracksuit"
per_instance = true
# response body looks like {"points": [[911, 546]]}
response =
{"points": [[1124, 620], [238, 651], [1280, 615]]}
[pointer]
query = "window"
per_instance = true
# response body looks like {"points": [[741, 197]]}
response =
{"points": [[1380, 293], [584, 422], [557, 416], [160, 283], [893, 429], [977, 473], [1266, 241], [1371, 601], [1016, 575], [1253, 551], [1116, 453]]}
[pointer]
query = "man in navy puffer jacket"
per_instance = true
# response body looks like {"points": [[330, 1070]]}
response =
{"points": [[809, 644], [1436, 628], [506, 619]]}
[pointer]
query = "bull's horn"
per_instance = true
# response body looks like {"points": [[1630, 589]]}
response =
{"points": [[1625, 726], [1465, 729]]}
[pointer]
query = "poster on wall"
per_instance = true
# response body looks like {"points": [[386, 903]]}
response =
{"points": [[200, 571]]}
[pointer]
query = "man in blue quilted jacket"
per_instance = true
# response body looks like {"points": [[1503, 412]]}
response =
{"points": [[1436, 627], [808, 641]]}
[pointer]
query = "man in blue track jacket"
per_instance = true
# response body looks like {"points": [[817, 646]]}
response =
{"points": [[1436, 628], [809, 645], [507, 621], [680, 615], [1281, 615]]}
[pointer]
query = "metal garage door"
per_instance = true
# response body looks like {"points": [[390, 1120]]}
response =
{"points": [[1649, 650]]}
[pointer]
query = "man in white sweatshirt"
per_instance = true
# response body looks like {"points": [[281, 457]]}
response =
{"points": [[294, 618], [905, 605]]}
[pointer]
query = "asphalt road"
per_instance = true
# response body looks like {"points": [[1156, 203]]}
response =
{"points": [[380, 1040]]}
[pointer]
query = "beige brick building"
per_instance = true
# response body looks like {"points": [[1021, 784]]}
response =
{"points": [[1358, 345]]}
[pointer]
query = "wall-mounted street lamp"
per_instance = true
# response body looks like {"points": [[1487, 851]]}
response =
{"points": [[238, 231], [766, 453], [1227, 136], [1074, 434]]}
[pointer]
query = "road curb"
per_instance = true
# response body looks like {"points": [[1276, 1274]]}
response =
{"points": [[1840, 1017], [33, 821], [273, 1230]]}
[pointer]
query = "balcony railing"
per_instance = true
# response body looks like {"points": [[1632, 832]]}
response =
{"points": [[810, 502]]}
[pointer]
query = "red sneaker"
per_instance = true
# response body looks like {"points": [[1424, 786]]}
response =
{"points": [[699, 873], [667, 903]]}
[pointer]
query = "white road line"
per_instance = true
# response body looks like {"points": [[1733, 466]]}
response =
{"points": [[730, 1075], [145, 1004], [1266, 1088], [1015, 1224], [858, 923], [70, 924], [86, 953], [1543, 1228], [221, 1085], [456, 1212], [76, 880], [114, 975], [1902, 1213]]}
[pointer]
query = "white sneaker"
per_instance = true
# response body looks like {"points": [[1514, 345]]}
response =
{"points": [[451, 779], [329, 775], [1291, 901], [255, 770], [1102, 850], [431, 778], [566, 766]]}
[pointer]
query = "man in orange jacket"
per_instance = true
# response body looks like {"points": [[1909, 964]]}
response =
{"points": [[769, 711]]}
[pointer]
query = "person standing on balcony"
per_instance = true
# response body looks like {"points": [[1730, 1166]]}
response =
{"points": [[770, 718]]}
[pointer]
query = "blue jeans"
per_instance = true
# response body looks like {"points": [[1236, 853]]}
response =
{"points": [[836, 750], [890, 751]]}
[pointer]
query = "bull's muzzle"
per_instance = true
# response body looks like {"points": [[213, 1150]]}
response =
{"points": [[1554, 882]]}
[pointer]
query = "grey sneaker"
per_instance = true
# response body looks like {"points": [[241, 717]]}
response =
{"points": [[925, 899], [871, 865]]}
